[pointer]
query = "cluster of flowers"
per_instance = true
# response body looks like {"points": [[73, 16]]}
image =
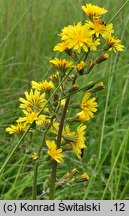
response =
{"points": [[46, 106]]}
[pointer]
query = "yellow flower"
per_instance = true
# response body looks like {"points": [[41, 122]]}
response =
{"points": [[34, 100], [29, 118], [93, 11], [16, 129], [98, 27], [61, 46], [83, 177], [55, 153], [44, 86], [79, 142], [88, 105], [82, 117], [42, 120], [54, 77], [99, 86], [61, 64], [35, 156], [75, 139], [80, 66], [113, 44], [78, 37]]}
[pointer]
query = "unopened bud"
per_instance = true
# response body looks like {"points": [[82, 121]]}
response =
{"points": [[80, 67], [73, 88], [83, 177], [56, 97], [98, 86], [35, 156], [89, 86], [89, 66], [54, 77], [102, 58], [74, 170]]}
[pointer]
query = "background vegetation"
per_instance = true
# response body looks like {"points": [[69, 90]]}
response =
{"points": [[28, 31]]}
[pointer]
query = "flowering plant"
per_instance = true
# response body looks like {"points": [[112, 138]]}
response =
{"points": [[46, 107]]}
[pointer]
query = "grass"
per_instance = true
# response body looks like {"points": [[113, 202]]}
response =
{"points": [[28, 33]]}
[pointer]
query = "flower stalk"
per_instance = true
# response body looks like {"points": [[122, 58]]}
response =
{"points": [[54, 167], [34, 187]]}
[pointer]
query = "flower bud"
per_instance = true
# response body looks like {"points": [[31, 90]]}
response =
{"points": [[56, 97], [74, 170], [89, 66], [89, 86], [73, 88], [98, 86], [83, 177], [80, 67], [54, 77], [35, 156], [102, 58]]}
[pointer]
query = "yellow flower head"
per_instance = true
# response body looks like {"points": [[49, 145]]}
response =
{"points": [[55, 153], [76, 139], [80, 66], [54, 77], [93, 11], [44, 86], [29, 118], [83, 177], [82, 117], [78, 37], [35, 156], [98, 27], [88, 106], [79, 142], [61, 64], [34, 100], [63, 46], [113, 44], [19, 128]]}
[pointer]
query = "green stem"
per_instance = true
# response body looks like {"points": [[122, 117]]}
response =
{"points": [[62, 122], [34, 187], [53, 181], [54, 168]]}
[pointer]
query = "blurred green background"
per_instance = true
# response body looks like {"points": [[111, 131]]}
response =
{"points": [[28, 32]]}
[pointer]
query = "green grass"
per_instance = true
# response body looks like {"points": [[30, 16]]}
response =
{"points": [[28, 33]]}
